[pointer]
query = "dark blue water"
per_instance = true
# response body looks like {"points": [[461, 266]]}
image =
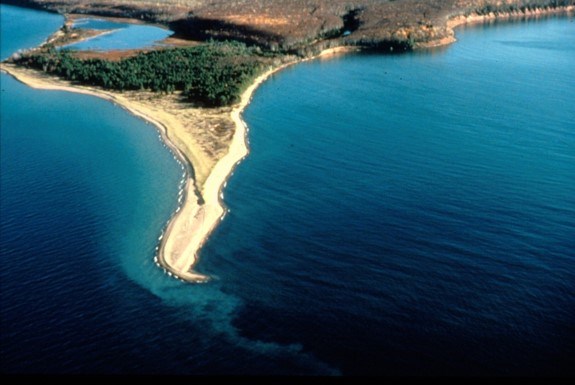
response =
{"points": [[122, 35], [407, 214], [85, 191], [414, 214]]}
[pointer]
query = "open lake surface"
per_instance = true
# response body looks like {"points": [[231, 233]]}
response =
{"points": [[397, 215]]}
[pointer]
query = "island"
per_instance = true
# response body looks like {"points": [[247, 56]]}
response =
{"points": [[194, 91]]}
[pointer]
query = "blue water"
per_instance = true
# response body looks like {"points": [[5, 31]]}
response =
{"points": [[89, 23], [414, 214], [409, 214], [39, 25], [123, 35]]}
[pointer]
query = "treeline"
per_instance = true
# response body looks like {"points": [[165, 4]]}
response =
{"points": [[213, 74]]}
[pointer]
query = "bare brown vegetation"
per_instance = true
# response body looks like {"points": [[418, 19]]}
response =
{"points": [[301, 25]]}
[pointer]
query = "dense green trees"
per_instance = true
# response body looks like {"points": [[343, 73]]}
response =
{"points": [[213, 74]]}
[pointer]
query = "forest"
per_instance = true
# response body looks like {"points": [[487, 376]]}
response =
{"points": [[212, 74]]}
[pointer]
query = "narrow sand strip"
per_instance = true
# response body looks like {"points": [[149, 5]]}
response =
{"points": [[185, 232], [191, 226], [194, 220]]}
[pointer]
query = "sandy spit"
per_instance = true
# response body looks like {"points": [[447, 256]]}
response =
{"points": [[208, 155]]}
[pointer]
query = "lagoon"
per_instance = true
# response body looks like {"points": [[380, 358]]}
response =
{"points": [[121, 36]]}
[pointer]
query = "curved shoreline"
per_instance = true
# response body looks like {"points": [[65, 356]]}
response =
{"points": [[207, 216], [195, 219], [456, 21], [40, 81], [192, 225], [475, 18], [195, 222]]}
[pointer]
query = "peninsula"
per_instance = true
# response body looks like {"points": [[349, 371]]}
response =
{"points": [[195, 94]]}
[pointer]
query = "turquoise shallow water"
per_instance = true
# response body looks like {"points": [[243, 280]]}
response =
{"points": [[27, 29], [406, 214]]}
